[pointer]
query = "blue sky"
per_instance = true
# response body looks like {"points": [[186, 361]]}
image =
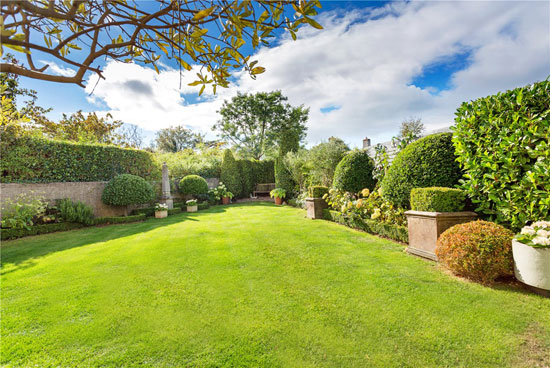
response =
{"points": [[374, 65]]}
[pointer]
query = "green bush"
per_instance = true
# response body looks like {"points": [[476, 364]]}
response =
{"points": [[503, 145], [230, 174], [174, 211], [127, 189], [118, 219], [193, 185], [317, 191], [478, 250], [75, 211], [37, 160], [437, 199], [391, 231], [147, 211], [354, 172], [6, 234], [248, 181], [23, 210], [428, 162], [203, 206], [283, 177]]}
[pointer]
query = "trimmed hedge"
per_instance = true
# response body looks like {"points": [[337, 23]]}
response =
{"points": [[203, 206], [230, 174], [395, 232], [127, 189], [119, 219], [38, 160], [193, 185], [6, 234], [428, 162], [174, 211], [354, 172], [437, 199], [503, 145], [317, 191]]}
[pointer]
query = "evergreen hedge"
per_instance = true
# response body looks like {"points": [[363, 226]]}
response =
{"points": [[230, 174], [436, 199], [354, 172], [428, 162], [38, 160], [503, 145]]}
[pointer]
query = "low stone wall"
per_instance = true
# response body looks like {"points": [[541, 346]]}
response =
{"points": [[87, 192]]}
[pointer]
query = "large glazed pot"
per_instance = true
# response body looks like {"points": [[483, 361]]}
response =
{"points": [[532, 266]]}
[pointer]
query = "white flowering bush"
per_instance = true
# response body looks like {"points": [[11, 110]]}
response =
{"points": [[161, 207], [536, 235]]}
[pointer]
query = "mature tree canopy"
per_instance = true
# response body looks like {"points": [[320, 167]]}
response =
{"points": [[325, 157], [411, 130], [176, 139], [79, 33], [258, 123]]}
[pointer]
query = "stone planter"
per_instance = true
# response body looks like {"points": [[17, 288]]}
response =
{"points": [[315, 207], [532, 266], [161, 214], [278, 201], [425, 228], [225, 200], [192, 208]]}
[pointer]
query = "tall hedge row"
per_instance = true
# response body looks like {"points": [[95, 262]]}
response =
{"points": [[254, 172], [38, 160], [503, 145], [230, 173]]}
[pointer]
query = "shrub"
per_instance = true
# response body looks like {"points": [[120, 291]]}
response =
{"points": [[354, 172], [437, 199], [174, 211], [283, 177], [75, 211], [428, 162], [230, 174], [203, 206], [36, 160], [193, 185], [317, 191], [15, 233], [21, 212], [503, 145], [277, 193], [127, 189], [477, 250]]}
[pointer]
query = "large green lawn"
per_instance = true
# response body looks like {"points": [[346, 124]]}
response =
{"points": [[253, 285]]}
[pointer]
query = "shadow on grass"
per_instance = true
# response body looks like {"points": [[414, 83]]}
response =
{"points": [[20, 253]]}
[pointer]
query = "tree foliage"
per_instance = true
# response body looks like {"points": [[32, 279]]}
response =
{"points": [[78, 33], [411, 130], [324, 158], [257, 123], [178, 138], [230, 173]]}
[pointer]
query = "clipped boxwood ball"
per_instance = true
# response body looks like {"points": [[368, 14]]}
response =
{"points": [[193, 185], [478, 250], [127, 189], [354, 172], [428, 162]]}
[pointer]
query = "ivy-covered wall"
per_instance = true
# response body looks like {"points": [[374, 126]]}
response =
{"points": [[38, 160]]}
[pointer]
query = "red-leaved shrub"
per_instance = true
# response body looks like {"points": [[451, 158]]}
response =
{"points": [[478, 250]]}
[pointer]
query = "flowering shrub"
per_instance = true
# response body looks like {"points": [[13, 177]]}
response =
{"points": [[220, 192], [478, 250], [365, 204], [161, 207], [536, 235], [191, 202]]}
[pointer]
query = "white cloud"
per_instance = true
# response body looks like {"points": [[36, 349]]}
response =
{"points": [[59, 70], [363, 63]]}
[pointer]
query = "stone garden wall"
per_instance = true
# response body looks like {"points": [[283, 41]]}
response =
{"points": [[87, 192]]}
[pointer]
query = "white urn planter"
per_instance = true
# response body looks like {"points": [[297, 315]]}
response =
{"points": [[161, 214], [532, 266], [192, 208]]}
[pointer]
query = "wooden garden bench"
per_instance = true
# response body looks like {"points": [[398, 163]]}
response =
{"points": [[263, 189]]}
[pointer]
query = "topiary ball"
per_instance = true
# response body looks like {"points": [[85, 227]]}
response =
{"points": [[193, 185], [478, 250], [354, 172], [428, 162], [127, 189]]}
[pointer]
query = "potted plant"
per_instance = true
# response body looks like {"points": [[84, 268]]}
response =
{"points": [[161, 210], [221, 193], [192, 205], [278, 194], [531, 250]]}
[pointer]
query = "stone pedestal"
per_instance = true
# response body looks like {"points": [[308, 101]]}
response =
{"points": [[315, 207], [166, 197], [425, 228]]}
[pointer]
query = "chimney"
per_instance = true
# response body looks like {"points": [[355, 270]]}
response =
{"points": [[366, 142]]}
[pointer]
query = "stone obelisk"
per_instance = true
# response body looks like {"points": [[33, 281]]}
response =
{"points": [[166, 196]]}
